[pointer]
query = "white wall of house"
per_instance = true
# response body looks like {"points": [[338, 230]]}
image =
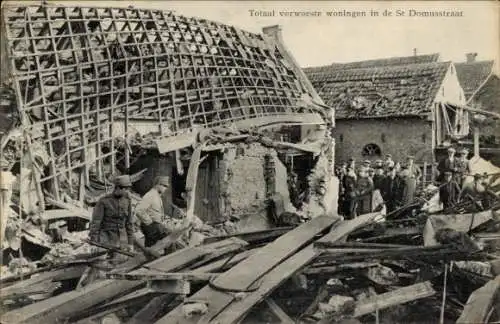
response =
{"points": [[451, 92]]}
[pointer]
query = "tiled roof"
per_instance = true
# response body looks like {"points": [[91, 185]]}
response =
{"points": [[472, 75], [391, 61], [390, 90]]}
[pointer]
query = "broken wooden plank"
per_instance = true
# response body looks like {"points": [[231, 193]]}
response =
{"points": [[156, 275], [254, 236], [480, 302], [459, 222], [224, 263], [347, 227], [246, 273], [139, 296], [237, 309], [395, 297], [176, 286], [280, 314], [65, 305], [70, 272], [150, 312]]}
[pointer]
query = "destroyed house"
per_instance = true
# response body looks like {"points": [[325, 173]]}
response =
{"points": [[405, 106], [481, 84], [107, 91]]}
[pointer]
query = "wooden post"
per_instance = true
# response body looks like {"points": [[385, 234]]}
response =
{"points": [[476, 141]]}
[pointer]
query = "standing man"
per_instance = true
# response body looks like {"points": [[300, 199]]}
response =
{"points": [[449, 191], [364, 191], [390, 190], [408, 187], [378, 177], [111, 222], [463, 168], [349, 202], [448, 164], [151, 213], [388, 163]]}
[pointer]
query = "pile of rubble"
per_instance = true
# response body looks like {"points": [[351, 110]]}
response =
{"points": [[321, 271]]}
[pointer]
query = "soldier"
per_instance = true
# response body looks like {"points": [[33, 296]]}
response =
{"points": [[449, 191], [364, 190], [448, 164], [151, 213], [111, 222], [463, 168]]}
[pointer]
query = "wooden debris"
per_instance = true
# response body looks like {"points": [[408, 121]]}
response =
{"points": [[395, 297], [64, 305], [243, 276], [480, 303]]}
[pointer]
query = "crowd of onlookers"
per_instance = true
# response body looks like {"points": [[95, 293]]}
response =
{"points": [[396, 183]]}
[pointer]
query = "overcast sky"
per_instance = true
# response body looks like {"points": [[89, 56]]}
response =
{"points": [[323, 40]]}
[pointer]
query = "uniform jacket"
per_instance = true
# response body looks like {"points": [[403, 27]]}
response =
{"points": [[408, 189], [391, 192], [112, 214]]}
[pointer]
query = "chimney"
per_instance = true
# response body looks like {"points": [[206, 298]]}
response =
{"points": [[471, 57], [414, 52]]}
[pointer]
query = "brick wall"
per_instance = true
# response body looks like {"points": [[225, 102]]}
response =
{"points": [[399, 137]]}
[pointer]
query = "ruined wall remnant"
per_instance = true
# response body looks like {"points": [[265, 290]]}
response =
{"points": [[244, 186]]}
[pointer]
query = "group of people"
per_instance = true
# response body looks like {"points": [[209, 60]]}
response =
{"points": [[396, 184], [453, 189]]}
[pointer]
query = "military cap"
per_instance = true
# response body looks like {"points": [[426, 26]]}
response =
{"points": [[367, 162], [477, 176], [447, 173], [451, 149], [163, 181], [123, 181], [388, 155], [464, 151]]}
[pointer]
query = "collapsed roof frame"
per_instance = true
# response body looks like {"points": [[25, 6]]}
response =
{"points": [[81, 73]]}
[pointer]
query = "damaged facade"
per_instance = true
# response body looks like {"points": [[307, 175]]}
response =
{"points": [[403, 106]]}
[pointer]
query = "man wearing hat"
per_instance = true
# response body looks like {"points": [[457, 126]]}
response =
{"points": [[151, 212], [364, 191], [378, 176], [448, 164], [112, 222], [463, 168], [449, 191], [388, 163]]}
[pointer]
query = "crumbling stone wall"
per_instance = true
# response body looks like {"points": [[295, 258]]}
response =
{"points": [[400, 137], [243, 186]]}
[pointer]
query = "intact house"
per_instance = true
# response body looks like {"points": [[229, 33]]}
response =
{"points": [[481, 83], [403, 106]]}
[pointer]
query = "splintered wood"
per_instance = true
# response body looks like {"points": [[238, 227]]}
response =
{"points": [[82, 74]]}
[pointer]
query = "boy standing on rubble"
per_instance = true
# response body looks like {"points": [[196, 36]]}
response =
{"points": [[111, 222], [151, 213], [449, 191]]}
